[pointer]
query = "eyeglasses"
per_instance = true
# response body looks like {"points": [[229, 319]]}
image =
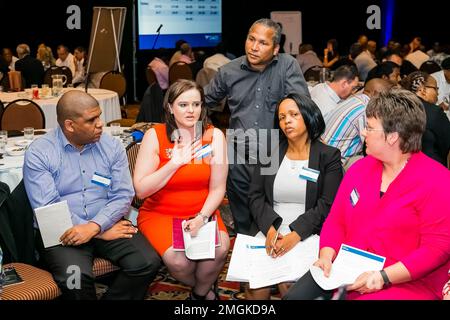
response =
{"points": [[368, 129]]}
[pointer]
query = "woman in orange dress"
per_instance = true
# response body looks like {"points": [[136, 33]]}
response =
{"points": [[178, 182]]}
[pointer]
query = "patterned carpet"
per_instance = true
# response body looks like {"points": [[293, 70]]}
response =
{"points": [[165, 287]]}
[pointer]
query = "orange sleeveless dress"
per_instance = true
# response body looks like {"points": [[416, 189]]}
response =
{"points": [[182, 197]]}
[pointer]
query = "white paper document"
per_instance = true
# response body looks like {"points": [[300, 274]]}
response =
{"points": [[348, 265], [53, 220], [203, 245], [250, 262]]}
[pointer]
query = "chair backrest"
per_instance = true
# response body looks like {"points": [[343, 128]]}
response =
{"points": [[53, 70], [179, 70], [151, 109], [204, 76], [17, 221], [114, 81], [22, 113], [151, 76], [312, 74], [1, 108], [430, 67], [132, 152]]}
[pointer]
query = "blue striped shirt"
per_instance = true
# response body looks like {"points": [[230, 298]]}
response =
{"points": [[343, 125], [54, 170]]}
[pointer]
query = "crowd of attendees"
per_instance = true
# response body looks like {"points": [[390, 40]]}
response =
{"points": [[374, 132], [33, 68]]}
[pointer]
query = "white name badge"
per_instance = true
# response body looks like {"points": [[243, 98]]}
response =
{"points": [[101, 179], [354, 197], [309, 174], [203, 152]]}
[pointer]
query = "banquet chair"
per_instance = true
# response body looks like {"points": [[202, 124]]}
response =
{"points": [[312, 74], [53, 70], [151, 108], [19, 253], [132, 152], [430, 67], [204, 76], [115, 81], [22, 113], [179, 70], [151, 76]]}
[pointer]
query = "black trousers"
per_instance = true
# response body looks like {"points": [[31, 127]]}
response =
{"points": [[307, 289], [137, 259], [238, 183]]}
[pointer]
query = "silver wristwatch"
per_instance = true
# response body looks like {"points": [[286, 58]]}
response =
{"points": [[205, 218]]}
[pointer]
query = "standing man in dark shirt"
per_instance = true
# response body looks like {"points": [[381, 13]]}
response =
{"points": [[253, 85], [31, 68]]}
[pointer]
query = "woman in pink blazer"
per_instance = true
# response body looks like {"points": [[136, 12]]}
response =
{"points": [[401, 209]]}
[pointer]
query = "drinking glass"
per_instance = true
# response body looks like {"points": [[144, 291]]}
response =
{"points": [[3, 141], [28, 133], [35, 91], [45, 91], [115, 129]]}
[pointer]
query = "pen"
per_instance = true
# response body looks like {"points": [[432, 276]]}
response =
{"points": [[256, 247], [274, 241]]}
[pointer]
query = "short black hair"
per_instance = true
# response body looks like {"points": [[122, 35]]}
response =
{"points": [[386, 68], [315, 125], [347, 72]]}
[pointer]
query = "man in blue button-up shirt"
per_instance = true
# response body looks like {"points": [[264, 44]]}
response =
{"points": [[77, 163]]}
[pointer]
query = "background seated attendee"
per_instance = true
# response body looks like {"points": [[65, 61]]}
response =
{"points": [[187, 55], [436, 139], [218, 59], [45, 55], [31, 68], [331, 54], [387, 70], [328, 94], [393, 56], [345, 123], [415, 55], [363, 60], [307, 58], [160, 67], [65, 59], [282, 201], [176, 184], [65, 165], [396, 210], [9, 58], [443, 82], [80, 61], [176, 56]]}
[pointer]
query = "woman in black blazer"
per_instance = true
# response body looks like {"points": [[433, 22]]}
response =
{"points": [[297, 197]]}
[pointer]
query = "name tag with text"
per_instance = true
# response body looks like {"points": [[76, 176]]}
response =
{"points": [[354, 197], [101, 180], [309, 174]]}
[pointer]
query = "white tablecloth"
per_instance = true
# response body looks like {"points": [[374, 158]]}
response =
{"points": [[108, 101], [11, 166]]}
